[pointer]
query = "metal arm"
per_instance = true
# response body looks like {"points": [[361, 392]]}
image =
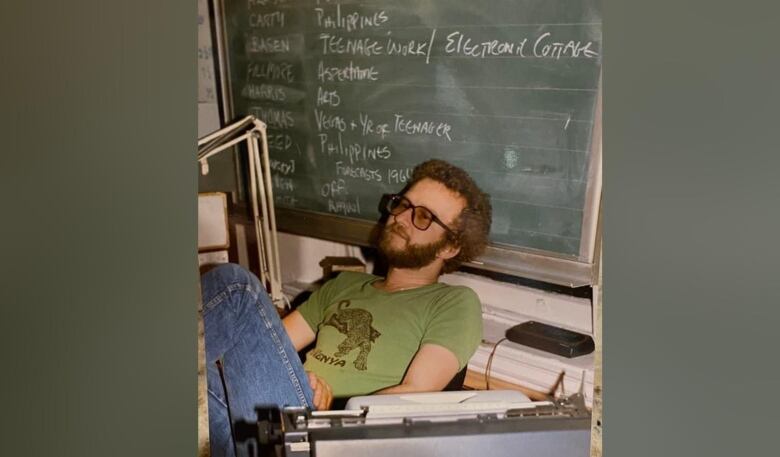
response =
{"points": [[249, 129]]}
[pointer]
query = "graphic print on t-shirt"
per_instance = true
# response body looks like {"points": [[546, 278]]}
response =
{"points": [[355, 323]]}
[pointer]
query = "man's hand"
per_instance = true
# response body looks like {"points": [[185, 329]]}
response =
{"points": [[323, 396]]}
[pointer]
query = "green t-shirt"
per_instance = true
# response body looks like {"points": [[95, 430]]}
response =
{"points": [[366, 337]]}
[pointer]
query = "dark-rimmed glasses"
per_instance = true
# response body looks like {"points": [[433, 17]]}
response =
{"points": [[422, 217]]}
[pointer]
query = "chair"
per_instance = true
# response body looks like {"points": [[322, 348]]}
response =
{"points": [[456, 383]]}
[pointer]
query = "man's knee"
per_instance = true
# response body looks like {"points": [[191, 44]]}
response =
{"points": [[230, 273], [227, 280]]}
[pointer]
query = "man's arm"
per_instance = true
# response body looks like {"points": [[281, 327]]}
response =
{"points": [[301, 336], [298, 330], [432, 368]]}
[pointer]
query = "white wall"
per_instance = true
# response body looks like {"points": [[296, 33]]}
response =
{"points": [[300, 256]]}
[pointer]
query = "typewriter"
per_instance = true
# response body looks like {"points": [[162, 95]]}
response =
{"points": [[472, 423]]}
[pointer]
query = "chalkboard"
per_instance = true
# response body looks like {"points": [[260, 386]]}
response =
{"points": [[356, 93]]}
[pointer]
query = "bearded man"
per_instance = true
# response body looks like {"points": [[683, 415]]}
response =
{"points": [[403, 333]]}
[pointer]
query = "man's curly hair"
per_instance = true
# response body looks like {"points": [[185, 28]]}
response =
{"points": [[473, 224]]}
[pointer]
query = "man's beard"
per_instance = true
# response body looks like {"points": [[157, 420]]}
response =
{"points": [[412, 256]]}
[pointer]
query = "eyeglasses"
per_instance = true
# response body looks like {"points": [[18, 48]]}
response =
{"points": [[422, 217]]}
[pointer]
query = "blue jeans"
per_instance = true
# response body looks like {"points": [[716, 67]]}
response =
{"points": [[259, 363]]}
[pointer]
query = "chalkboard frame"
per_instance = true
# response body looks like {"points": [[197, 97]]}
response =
{"points": [[547, 266]]}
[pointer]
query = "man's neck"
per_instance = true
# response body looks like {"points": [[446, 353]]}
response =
{"points": [[398, 279]]}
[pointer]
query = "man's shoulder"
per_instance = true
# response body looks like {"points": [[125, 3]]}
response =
{"points": [[449, 295], [457, 289]]}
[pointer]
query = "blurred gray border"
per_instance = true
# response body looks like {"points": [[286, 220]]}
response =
{"points": [[98, 273], [99, 266], [690, 227]]}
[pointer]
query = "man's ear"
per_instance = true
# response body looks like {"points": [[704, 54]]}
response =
{"points": [[449, 251]]}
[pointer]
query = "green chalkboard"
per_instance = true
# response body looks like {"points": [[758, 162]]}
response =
{"points": [[356, 93]]}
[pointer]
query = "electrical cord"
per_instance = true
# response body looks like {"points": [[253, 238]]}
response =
{"points": [[490, 363]]}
